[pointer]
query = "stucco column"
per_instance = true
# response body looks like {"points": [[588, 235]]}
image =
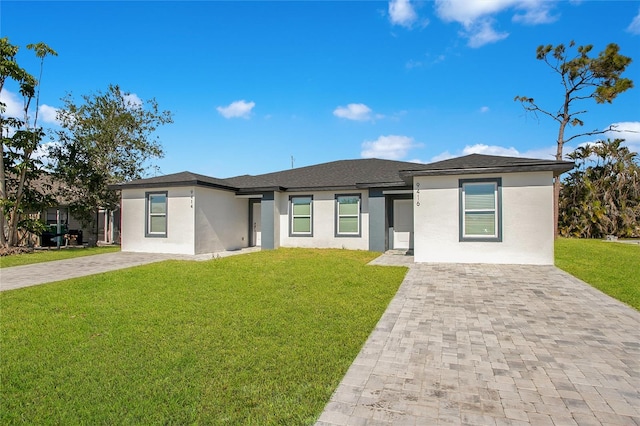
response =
{"points": [[268, 220], [377, 222]]}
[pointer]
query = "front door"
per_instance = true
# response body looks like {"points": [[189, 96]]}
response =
{"points": [[257, 234], [402, 224]]}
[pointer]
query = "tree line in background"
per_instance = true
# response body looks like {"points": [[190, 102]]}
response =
{"points": [[108, 138], [105, 139], [601, 196], [582, 78]]}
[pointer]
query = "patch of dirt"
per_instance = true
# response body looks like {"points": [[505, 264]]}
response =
{"points": [[10, 251]]}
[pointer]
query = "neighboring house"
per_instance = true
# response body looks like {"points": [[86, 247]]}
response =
{"points": [[65, 229], [104, 229], [472, 209], [62, 228]]}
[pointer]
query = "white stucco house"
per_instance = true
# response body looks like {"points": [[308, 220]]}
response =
{"points": [[471, 209]]}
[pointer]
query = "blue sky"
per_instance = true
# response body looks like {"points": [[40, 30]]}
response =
{"points": [[252, 84]]}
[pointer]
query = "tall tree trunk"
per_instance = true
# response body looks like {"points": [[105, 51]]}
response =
{"points": [[559, 147], [14, 217], [556, 207], [3, 196]]}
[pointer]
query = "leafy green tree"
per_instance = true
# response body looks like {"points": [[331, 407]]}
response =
{"points": [[106, 139], [601, 196], [583, 78], [21, 138]]}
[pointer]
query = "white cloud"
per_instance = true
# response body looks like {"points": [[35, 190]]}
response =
{"points": [[481, 148], [402, 13], [634, 26], [391, 147], [484, 109], [417, 160], [476, 16], [426, 62], [411, 64], [441, 157], [237, 109], [545, 153], [13, 104], [535, 16], [132, 100], [42, 152], [357, 112], [629, 131], [467, 12], [14, 108], [482, 32], [48, 114]]}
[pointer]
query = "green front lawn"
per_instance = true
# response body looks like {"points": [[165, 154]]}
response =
{"points": [[613, 268], [53, 254], [259, 339]]}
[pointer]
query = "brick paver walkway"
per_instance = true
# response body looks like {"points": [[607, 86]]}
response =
{"points": [[494, 345]]}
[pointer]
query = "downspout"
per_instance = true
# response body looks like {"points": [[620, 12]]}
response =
{"points": [[111, 228], [58, 227], [97, 226]]}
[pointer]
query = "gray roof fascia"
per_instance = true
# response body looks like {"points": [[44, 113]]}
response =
{"points": [[557, 168], [170, 184], [259, 190], [320, 188], [400, 184]]}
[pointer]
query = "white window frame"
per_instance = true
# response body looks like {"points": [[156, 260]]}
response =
{"points": [[293, 216], [496, 209], [149, 214], [358, 215]]}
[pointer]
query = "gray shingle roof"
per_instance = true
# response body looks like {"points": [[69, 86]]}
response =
{"points": [[480, 163], [351, 174], [177, 179], [336, 174]]}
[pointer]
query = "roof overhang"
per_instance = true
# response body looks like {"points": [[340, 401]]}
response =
{"points": [[259, 190], [398, 184], [170, 184], [309, 188], [557, 167]]}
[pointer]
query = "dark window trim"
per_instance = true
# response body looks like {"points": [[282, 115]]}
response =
{"points": [[338, 234], [494, 239], [147, 216], [298, 234]]}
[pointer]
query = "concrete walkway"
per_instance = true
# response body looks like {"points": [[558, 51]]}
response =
{"points": [[494, 345], [46, 272]]}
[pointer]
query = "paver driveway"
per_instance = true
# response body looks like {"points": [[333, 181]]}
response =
{"points": [[494, 344], [46, 272]]}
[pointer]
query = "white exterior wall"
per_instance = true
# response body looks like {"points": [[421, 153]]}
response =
{"points": [[180, 222], [281, 201], [221, 221], [527, 221], [324, 218]]}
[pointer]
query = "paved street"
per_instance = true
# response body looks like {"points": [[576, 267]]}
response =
{"points": [[494, 345]]}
